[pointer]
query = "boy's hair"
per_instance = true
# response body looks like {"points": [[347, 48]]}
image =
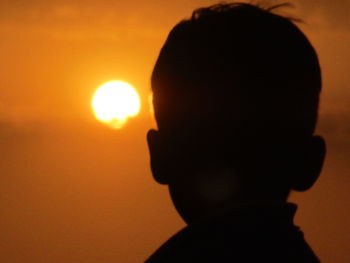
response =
{"points": [[237, 63]]}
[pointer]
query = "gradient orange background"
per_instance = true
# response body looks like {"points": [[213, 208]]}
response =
{"points": [[74, 190]]}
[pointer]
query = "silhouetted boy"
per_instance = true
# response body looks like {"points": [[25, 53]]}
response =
{"points": [[236, 91]]}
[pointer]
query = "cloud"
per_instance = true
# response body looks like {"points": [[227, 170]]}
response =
{"points": [[81, 19], [335, 13], [335, 127]]}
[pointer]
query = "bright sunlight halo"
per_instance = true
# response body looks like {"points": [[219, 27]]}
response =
{"points": [[114, 102]]}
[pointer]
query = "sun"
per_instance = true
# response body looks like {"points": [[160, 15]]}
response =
{"points": [[114, 102]]}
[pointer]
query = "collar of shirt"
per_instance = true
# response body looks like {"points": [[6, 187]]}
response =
{"points": [[244, 218]]}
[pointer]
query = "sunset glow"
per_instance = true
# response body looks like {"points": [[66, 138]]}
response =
{"points": [[114, 102], [76, 182]]}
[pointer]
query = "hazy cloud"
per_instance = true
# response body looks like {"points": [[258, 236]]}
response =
{"points": [[335, 12], [82, 19]]}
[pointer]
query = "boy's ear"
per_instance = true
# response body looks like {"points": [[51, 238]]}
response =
{"points": [[157, 156], [310, 165]]}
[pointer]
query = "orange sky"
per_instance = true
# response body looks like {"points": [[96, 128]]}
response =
{"points": [[74, 190]]}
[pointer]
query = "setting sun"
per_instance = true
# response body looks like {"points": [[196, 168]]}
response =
{"points": [[114, 102]]}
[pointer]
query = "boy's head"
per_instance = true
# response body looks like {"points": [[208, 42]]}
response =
{"points": [[235, 92]]}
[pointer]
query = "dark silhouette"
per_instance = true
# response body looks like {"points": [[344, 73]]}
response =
{"points": [[235, 92]]}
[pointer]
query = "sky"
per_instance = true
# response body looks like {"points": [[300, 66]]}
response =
{"points": [[74, 190]]}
